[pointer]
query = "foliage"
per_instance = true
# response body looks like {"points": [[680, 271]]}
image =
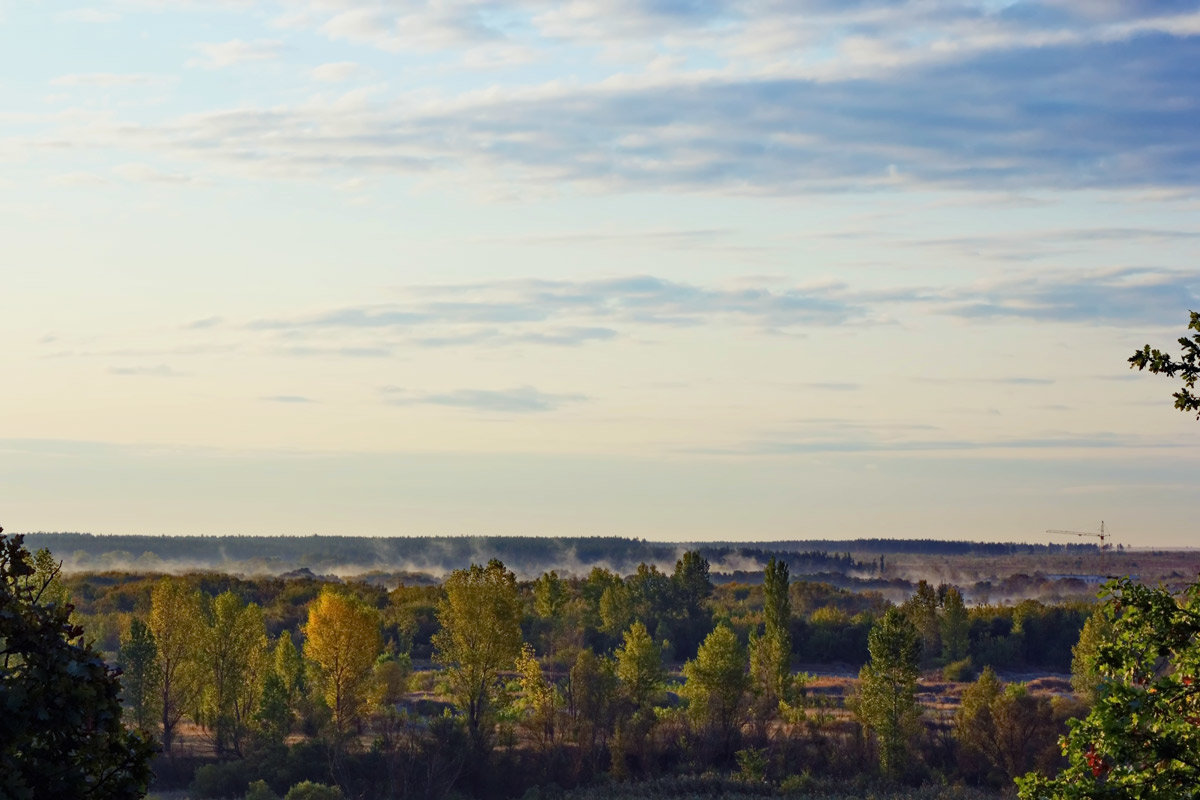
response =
{"points": [[956, 626], [259, 790], [716, 685], [308, 790], [549, 593], [1142, 737], [60, 731], [771, 652], [175, 621], [342, 641], [480, 637], [591, 694], [140, 675], [1006, 727], [233, 660], [640, 666], [540, 700], [1186, 368], [687, 616], [1085, 673], [887, 701]]}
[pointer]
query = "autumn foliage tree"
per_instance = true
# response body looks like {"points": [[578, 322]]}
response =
{"points": [[480, 637], [342, 641], [176, 619]]}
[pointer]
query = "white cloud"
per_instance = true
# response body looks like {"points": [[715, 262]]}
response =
{"points": [[218, 55], [87, 15], [78, 179], [108, 80], [147, 174], [336, 72]]}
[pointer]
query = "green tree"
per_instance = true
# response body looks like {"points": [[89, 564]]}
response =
{"points": [[1006, 727], [342, 641], [549, 592], [716, 686], [540, 701], [590, 698], [640, 666], [140, 675], [690, 618], [288, 664], [616, 608], [176, 619], [1085, 673], [956, 625], [1141, 739], [887, 695], [274, 714], [771, 653], [1187, 367], [922, 611], [480, 637], [233, 663], [60, 729]]}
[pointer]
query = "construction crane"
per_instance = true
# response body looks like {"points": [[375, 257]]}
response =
{"points": [[1101, 535]]}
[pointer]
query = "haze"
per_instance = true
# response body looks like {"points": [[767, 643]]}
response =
{"points": [[729, 270]]}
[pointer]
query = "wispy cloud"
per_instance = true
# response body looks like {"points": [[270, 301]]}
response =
{"points": [[518, 400], [110, 80], [156, 371]]}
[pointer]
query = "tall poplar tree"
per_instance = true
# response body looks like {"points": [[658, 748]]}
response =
{"points": [[176, 621], [887, 696], [480, 637], [233, 664], [343, 641], [140, 675], [771, 653]]}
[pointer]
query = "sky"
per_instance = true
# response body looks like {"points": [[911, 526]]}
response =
{"points": [[670, 269]]}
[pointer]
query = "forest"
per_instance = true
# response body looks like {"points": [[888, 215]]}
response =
{"points": [[486, 685]]}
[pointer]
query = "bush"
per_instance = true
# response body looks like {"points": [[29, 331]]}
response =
{"points": [[224, 780], [307, 790], [260, 791], [960, 671]]}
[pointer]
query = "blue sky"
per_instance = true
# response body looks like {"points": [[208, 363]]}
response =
{"points": [[675, 269]]}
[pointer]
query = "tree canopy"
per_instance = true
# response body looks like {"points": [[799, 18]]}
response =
{"points": [[887, 701], [480, 636], [60, 732], [1187, 367], [1141, 739]]}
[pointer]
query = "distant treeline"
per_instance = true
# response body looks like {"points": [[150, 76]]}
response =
{"points": [[528, 556]]}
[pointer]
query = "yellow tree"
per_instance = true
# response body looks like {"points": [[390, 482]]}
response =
{"points": [[175, 620], [480, 636], [343, 641]]}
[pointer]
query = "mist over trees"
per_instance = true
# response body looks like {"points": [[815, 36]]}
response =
{"points": [[488, 683]]}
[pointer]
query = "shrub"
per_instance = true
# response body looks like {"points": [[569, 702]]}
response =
{"points": [[260, 791], [959, 671], [307, 790], [224, 780]]}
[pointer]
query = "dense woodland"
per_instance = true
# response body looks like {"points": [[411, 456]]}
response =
{"points": [[489, 686]]}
